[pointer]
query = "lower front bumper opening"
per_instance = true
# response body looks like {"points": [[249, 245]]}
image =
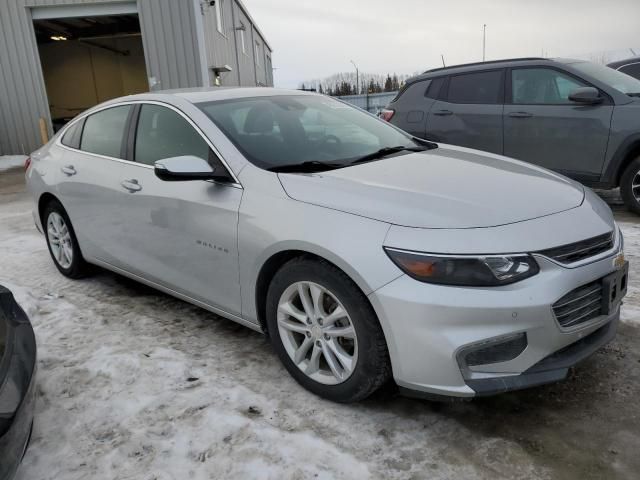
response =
{"points": [[551, 369]]}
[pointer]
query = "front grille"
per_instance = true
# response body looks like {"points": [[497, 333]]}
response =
{"points": [[575, 252], [579, 305]]}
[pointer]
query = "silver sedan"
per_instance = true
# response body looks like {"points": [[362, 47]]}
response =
{"points": [[366, 255]]}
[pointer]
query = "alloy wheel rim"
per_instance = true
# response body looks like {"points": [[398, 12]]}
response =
{"points": [[317, 333], [635, 187], [60, 240]]}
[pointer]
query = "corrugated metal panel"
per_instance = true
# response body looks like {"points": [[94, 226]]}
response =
{"points": [[246, 66], [169, 38], [173, 35], [168, 35], [221, 47]]}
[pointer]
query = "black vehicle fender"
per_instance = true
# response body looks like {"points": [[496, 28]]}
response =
{"points": [[626, 152]]}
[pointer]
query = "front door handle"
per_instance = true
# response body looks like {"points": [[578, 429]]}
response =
{"points": [[131, 185], [68, 170], [521, 114], [442, 113]]}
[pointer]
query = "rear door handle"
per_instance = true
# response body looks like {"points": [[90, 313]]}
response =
{"points": [[68, 170], [443, 113], [131, 185], [521, 114]]}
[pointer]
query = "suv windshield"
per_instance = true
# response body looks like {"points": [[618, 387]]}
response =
{"points": [[618, 80], [281, 132]]}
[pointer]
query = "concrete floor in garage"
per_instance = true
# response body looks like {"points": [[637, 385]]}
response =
{"points": [[135, 384]]}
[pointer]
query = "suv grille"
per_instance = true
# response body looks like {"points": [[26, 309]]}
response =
{"points": [[575, 252], [579, 305]]}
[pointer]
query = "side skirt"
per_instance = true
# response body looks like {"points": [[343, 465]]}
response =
{"points": [[173, 293]]}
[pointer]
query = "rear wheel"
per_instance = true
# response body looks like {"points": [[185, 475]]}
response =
{"points": [[61, 241], [630, 186], [325, 331]]}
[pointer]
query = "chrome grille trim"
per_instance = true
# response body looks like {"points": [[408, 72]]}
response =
{"points": [[579, 305], [575, 252]]}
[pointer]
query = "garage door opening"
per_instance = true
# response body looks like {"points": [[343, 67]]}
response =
{"points": [[88, 60]]}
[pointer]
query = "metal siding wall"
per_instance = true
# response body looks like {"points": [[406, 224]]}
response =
{"points": [[247, 65], [170, 44], [221, 49], [22, 98]]}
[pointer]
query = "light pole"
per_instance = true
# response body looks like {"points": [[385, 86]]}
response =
{"points": [[484, 41], [357, 78]]}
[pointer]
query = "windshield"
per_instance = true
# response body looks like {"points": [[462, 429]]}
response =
{"points": [[618, 80], [273, 132]]}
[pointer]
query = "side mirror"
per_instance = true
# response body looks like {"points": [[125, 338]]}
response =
{"points": [[586, 96], [180, 169]]}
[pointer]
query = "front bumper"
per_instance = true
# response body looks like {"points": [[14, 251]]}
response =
{"points": [[17, 385], [427, 326]]}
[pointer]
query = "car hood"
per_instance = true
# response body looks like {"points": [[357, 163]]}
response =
{"points": [[447, 187]]}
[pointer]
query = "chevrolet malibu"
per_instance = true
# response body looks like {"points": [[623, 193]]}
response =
{"points": [[365, 254]]}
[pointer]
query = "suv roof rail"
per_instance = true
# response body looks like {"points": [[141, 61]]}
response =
{"points": [[490, 62]]}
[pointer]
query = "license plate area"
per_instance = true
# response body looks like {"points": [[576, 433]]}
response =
{"points": [[614, 288]]}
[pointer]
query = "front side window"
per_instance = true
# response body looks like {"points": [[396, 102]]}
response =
{"points": [[104, 131], [163, 133], [542, 86], [479, 87], [283, 130], [219, 16]]}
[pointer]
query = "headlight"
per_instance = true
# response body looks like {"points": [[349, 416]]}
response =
{"points": [[464, 270]]}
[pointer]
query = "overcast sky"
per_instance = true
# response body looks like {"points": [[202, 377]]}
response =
{"points": [[316, 38]]}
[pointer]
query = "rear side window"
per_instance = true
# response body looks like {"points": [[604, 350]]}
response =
{"points": [[480, 87], [71, 137], [163, 133], [414, 92], [633, 70], [103, 131], [434, 89]]}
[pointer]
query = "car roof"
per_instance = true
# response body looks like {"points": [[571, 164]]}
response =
{"points": [[470, 67], [622, 63], [209, 94]]}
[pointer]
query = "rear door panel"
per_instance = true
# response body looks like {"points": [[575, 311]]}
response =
{"points": [[469, 111]]}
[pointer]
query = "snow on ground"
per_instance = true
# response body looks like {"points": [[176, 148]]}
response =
{"points": [[133, 384], [11, 161]]}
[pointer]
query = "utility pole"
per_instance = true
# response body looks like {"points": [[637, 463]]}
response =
{"points": [[484, 41], [357, 78]]}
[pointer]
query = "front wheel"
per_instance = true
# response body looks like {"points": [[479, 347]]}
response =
{"points": [[630, 186], [326, 332]]}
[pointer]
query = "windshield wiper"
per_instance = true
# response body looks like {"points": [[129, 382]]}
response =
{"points": [[310, 166], [386, 151]]}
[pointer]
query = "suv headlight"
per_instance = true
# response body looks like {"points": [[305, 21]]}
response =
{"points": [[464, 270]]}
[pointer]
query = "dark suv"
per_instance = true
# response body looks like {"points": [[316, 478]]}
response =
{"points": [[575, 117]]}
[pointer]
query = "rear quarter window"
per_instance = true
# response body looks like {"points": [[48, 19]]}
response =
{"points": [[71, 137]]}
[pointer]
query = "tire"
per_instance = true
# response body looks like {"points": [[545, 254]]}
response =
{"points": [[626, 186], [363, 340], [56, 224]]}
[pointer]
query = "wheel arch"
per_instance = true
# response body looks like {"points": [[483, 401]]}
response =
{"points": [[625, 154], [43, 201], [276, 260]]}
